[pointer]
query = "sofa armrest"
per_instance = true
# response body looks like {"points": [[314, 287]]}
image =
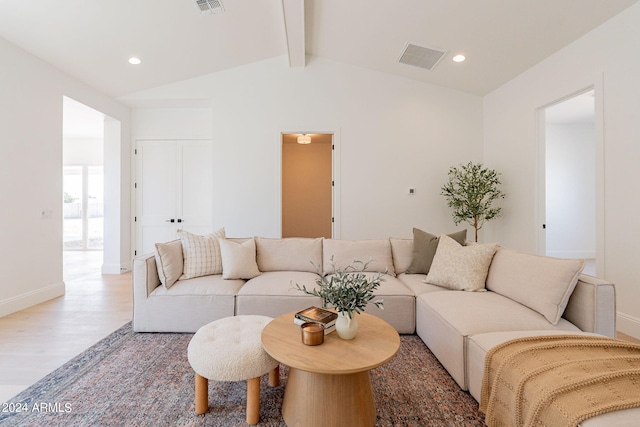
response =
{"points": [[592, 306], [145, 276]]}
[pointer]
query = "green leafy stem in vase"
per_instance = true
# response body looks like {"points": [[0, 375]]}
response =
{"points": [[347, 290]]}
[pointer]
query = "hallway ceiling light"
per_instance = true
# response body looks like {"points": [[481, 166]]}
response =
{"points": [[459, 58], [135, 60], [304, 139]]}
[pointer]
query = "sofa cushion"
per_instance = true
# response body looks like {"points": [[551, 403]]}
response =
{"points": [[204, 285], [460, 267], [402, 252], [201, 253], [416, 283], [377, 253], [444, 320], [273, 293], [289, 254], [541, 283], [169, 261], [424, 249], [273, 283], [398, 303], [474, 313], [239, 259]]}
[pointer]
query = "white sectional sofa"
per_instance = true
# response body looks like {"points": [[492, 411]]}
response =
{"points": [[521, 295]]}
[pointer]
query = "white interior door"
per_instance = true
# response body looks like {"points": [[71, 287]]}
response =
{"points": [[173, 190], [156, 192], [195, 186]]}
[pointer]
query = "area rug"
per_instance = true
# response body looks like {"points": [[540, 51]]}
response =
{"points": [[144, 379]]}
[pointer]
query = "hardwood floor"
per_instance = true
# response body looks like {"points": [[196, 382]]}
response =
{"points": [[40, 339]]}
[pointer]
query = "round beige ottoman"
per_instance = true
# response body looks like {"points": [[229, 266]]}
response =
{"points": [[230, 349]]}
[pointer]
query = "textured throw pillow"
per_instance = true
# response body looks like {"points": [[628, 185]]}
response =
{"points": [[169, 262], [424, 249], [239, 259], [201, 253], [460, 267], [542, 283]]}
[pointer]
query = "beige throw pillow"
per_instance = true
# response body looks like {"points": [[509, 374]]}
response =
{"points": [[424, 249], [542, 283], [169, 262], [239, 259], [460, 267], [201, 253]]}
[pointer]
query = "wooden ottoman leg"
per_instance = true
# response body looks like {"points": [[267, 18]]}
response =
{"points": [[274, 377], [202, 394], [253, 401]]}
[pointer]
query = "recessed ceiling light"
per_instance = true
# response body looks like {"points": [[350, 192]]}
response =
{"points": [[135, 60], [459, 58]]}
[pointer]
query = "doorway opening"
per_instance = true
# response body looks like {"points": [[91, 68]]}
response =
{"points": [[83, 188], [307, 185], [570, 179]]}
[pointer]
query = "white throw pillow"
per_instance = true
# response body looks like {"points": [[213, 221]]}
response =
{"points": [[460, 267], [201, 253], [542, 283], [239, 259], [169, 262]]}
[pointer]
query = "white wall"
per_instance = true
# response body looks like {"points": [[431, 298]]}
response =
{"points": [[172, 123], [31, 173], [391, 133], [570, 190], [602, 58]]}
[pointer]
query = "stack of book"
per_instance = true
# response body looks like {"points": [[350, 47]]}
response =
{"points": [[318, 315]]}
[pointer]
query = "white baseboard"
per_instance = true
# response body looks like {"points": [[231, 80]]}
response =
{"points": [[629, 325], [20, 302], [572, 254], [115, 268]]}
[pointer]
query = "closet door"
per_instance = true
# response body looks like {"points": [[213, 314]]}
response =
{"points": [[195, 186], [173, 190]]}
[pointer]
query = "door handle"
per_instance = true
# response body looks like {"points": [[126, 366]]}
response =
{"points": [[180, 220], [170, 220]]}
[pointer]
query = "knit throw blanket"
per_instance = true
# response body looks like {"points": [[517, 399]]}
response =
{"points": [[558, 380]]}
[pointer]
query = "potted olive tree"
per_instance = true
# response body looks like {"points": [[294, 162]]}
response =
{"points": [[471, 191], [348, 291]]}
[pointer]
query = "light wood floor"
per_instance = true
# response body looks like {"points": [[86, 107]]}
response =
{"points": [[36, 341], [42, 338]]}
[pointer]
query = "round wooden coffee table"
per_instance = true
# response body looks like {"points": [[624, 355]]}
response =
{"points": [[328, 384]]}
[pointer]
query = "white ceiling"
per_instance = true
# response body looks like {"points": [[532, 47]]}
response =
{"points": [[92, 39]]}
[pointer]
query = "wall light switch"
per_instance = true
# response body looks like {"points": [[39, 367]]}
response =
{"points": [[412, 191]]}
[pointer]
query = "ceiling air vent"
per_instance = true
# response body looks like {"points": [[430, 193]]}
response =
{"points": [[419, 56], [207, 7]]}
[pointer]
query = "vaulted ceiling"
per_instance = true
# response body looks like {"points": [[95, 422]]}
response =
{"points": [[93, 39]]}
